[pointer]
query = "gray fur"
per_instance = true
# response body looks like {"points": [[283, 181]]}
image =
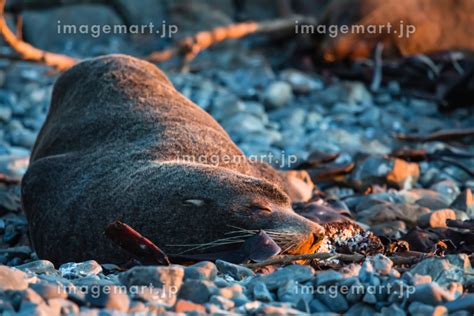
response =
{"points": [[112, 148]]}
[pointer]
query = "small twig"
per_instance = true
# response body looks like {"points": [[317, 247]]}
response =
{"points": [[29, 52], [286, 259], [426, 60], [443, 135], [458, 164], [378, 63], [190, 47], [454, 57]]}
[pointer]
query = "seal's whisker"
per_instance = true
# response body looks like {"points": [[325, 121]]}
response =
{"points": [[208, 243], [278, 233], [214, 245], [221, 244], [241, 232], [245, 230], [288, 249], [211, 245]]}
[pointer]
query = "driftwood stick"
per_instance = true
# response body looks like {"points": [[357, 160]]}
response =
{"points": [[286, 259], [190, 46], [443, 135], [28, 52]]}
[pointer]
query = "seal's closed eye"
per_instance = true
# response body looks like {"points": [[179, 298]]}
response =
{"points": [[261, 208], [194, 202]]}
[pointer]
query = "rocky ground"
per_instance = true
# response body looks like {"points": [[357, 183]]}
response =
{"points": [[339, 131], [286, 112]]}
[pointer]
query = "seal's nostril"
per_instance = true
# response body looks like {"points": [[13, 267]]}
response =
{"points": [[316, 239]]}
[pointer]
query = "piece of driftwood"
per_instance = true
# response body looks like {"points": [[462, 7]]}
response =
{"points": [[28, 52], [411, 257], [134, 243], [188, 48], [286, 259], [443, 135]]}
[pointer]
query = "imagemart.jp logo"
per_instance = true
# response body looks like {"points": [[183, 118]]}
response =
{"points": [[96, 30], [396, 290], [401, 30]]}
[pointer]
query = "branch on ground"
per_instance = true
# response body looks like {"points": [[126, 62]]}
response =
{"points": [[190, 46], [28, 52], [287, 259], [443, 135]]}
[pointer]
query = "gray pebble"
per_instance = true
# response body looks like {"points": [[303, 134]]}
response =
{"points": [[465, 303], [292, 292], [279, 278], [335, 301], [49, 290], [222, 302], [300, 82], [65, 307], [328, 277], [393, 310], [236, 271], [74, 270], [108, 297], [38, 267], [204, 270], [167, 279], [12, 279], [278, 94], [361, 309], [448, 189], [430, 294], [197, 291], [261, 293], [417, 308], [316, 306]]}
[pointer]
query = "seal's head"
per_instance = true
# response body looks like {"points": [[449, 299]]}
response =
{"points": [[229, 206]]}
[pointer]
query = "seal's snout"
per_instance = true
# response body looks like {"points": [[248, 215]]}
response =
{"points": [[310, 239]]}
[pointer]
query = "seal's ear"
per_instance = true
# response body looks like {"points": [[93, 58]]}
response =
{"points": [[194, 202]]}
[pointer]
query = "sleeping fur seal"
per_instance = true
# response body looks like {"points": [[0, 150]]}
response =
{"points": [[120, 143]]}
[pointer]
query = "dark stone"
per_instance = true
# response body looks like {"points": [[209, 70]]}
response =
{"points": [[109, 297], [236, 271], [196, 291]]}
